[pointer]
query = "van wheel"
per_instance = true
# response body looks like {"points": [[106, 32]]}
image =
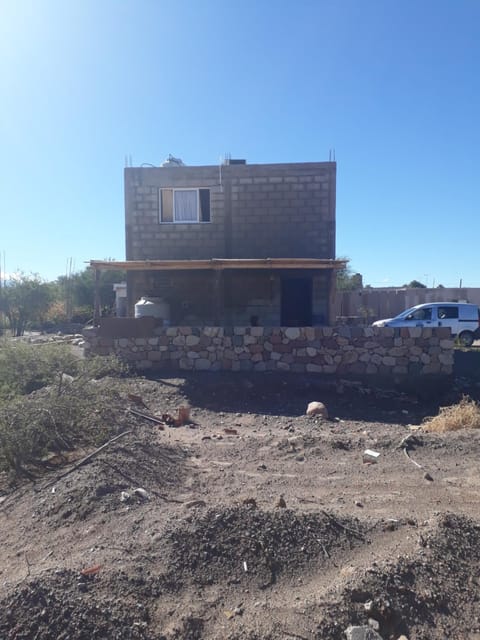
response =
{"points": [[466, 338]]}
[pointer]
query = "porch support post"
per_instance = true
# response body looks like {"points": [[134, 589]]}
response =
{"points": [[332, 293], [96, 308], [218, 297]]}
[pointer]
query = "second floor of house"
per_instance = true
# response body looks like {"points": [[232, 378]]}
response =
{"points": [[233, 210]]}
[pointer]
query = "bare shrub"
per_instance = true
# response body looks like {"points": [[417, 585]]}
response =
{"points": [[464, 415], [63, 411]]}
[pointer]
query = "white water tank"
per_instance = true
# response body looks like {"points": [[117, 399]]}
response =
{"points": [[153, 308]]}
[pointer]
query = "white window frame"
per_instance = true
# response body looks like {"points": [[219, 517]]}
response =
{"points": [[174, 190]]}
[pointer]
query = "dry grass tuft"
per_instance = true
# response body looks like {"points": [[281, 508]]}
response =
{"points": [[464, 415]]}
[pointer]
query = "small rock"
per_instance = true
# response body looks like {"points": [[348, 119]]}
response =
{"points": [[280, 503], [368, 605], [124, 496], [317, 409], [141, 493], [358, 504], [428, 477]]}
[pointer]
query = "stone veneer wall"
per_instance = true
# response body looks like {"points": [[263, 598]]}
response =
{"points": [[330, 350]]}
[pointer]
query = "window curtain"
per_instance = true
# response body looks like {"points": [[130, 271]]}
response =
{"points": [[186, 209]]}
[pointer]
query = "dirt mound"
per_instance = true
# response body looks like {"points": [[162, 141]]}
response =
{"points": [[198, 558], [99, 486], [433, 595], [65, 606], [238, 544]]}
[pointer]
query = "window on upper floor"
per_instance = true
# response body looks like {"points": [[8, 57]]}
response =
{"points": [[185, 205]]}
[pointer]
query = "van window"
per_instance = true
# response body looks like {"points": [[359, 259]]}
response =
{"points": [[421, 314], [447, 312]]}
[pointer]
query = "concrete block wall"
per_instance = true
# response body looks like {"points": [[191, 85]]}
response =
{"points": [[147, 238], [386, 352], [256, 211]]}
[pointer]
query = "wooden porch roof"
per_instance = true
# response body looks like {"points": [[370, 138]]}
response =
{"points": [[218, 264]]}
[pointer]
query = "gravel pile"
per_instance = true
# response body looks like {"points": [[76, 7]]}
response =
{"points": [[66, 606], [240, 543], [433, 595]]}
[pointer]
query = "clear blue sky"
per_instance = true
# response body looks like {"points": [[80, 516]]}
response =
{"points": [[392, 85]]}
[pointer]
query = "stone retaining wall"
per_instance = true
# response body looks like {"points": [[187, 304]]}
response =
{"points": [[329, 350]]}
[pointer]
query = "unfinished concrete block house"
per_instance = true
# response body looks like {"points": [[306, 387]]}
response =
{"points": [[239, 264], [234, 244]]}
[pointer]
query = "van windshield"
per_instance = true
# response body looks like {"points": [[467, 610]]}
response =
{"points": [[406, 313]]}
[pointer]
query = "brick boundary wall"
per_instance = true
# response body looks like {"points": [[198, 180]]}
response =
{"points": [[329, 350]]}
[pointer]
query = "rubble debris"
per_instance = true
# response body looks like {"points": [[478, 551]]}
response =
{"points": [[361, 633], [183, 417], [370, 456], [90, 571], [158, 421]]}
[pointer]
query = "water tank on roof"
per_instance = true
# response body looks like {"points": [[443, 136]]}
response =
{"points": [[153, 308], [172, 162]]}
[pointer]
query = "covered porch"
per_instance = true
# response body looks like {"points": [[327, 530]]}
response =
{"points": [[232, 292]]}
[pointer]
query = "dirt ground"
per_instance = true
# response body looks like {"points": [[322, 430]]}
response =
{"points": [[255, 521]]}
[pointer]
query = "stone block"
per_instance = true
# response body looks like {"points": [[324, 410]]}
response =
{"points": [[292, 333], [191, 340], [446, 358], [202, 364], [154, 356], [446, 344]]}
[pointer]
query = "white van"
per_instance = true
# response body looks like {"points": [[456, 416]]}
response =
{"points": [[462, 318]]}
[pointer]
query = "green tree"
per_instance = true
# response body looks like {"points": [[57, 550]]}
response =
{"points": [[347, 280], [415, 284], [24, 300]]}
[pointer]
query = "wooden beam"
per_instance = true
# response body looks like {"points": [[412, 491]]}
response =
{"points": [[218, 263]]}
